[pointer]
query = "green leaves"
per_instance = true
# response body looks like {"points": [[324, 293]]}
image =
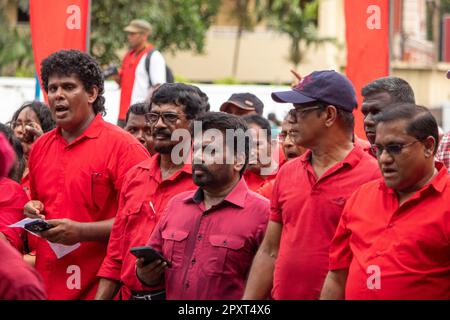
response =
{"points": [[177, 24]]}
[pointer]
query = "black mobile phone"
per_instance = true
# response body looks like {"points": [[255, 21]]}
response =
{"points": [[38, 226], [149, 254]]}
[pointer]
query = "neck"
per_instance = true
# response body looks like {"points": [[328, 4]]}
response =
{"points": [[167, 166], [70, 135], [331, 150], [141, 47], [405, 194], [215, 195]]}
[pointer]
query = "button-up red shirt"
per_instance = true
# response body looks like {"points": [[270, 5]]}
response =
{"points": [[309, 210], [392, 251], [80, 181], [142, 199], [211, 250]]}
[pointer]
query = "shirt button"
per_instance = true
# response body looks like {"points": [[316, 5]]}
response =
{"points": [[199, 237], [225, 242], [186, 285], [193, 261]]}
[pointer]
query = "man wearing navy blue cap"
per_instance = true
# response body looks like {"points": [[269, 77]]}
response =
{"points": [[310, 191]]}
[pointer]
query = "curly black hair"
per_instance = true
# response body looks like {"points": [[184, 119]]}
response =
{"points": [[68, 62], [42, 112]]}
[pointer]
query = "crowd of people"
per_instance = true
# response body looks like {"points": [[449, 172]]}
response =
{"points": [[317, 213]]}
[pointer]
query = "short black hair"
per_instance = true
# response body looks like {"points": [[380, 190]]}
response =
{"points": [[261, 122], [421, 122], [17, 170], [42, 112], [140, 108], [180, 94], [69, 62], [223, 121], [397, 88]]}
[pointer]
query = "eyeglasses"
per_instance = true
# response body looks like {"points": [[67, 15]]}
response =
{"points": [[167, 117], [283, 135], [393, 149], [298, 113]]}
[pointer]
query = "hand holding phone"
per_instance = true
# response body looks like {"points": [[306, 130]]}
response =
{"points": [[148, 254]]}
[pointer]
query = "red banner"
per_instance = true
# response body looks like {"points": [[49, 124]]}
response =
{"points": [[56, 25], [367, 35]]}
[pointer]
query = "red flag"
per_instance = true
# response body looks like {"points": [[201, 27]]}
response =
{"points": [[56, 25], [367, 34]]}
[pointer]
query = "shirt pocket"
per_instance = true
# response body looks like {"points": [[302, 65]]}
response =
{"points": [[101, 188], [225, 256], [174, 246]]}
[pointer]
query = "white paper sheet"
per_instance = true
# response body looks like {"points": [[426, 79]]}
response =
{"points": [[60, 250]]}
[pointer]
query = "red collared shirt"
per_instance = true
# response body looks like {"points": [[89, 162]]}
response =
{"points": [[18, 281], [309, 210], [211, 250], [81, 181], [395, 252], [255, 181], [12, 201], [143, 191]]}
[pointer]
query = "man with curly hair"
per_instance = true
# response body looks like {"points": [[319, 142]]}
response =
{"points": [[76, 173]]}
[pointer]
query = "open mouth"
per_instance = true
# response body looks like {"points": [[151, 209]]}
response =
{"points": [[388, 172], [61, 111]]}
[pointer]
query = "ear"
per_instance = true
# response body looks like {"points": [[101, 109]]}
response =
{"points": [[430, 144], [331, 115], [92, 94]]}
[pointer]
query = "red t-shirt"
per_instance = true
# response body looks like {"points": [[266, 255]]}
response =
{"points": [[80, 181], [18, 281], [255, 181], [211, 250], [143, 191], [309, 210], [127, 77], [395, 252]]}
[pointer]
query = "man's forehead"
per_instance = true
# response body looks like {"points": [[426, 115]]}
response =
{"points": [[137, 118], [392, 130], [172, 107], [57, 77], [378, 97]]}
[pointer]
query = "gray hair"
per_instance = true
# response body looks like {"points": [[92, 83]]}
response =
{"points": [[397, 88]]}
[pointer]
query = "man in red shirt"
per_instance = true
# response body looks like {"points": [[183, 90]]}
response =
{"points": [[137, 77], [147, 189], [310, 191], [393, 240], [211, 235], [76, 172], [263, 164]]}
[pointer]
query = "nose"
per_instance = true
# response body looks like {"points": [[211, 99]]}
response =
{"points": [[385, 158], [288, 142], [368, 120], [160, 123]]}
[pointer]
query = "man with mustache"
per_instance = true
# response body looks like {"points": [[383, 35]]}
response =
{"points": [[310, 191], [210, 235], [377, 95], [393, 239], [76, 173], [147, 189]]}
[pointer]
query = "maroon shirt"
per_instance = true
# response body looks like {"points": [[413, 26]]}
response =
{"points": [[211, 250], [18, 281]]}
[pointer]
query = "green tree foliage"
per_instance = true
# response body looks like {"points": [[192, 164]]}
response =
{"points": [[297, 19], [177, 24]]}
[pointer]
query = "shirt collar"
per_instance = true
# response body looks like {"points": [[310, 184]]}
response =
{"points": [[236, 196], [153, 166], [92, 131], [352, 158]]}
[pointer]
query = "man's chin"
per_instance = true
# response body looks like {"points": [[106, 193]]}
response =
{"points": [[163, 149]]}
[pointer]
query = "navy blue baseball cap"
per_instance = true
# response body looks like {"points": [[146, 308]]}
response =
{"points": [[327, 86]]}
